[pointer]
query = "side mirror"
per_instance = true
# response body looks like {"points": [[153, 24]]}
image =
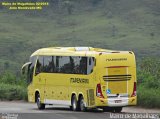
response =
{"points": [[24, 67], [23, 71]]}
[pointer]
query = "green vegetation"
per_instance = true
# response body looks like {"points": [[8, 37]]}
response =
{"points": [[111, 24], [12, 88], [149, 83]]}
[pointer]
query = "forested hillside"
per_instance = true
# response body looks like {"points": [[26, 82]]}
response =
{"points": [[112, 24]]}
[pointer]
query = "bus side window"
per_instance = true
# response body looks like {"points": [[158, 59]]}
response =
{"points": [[30, 74], [83, 65], [48, 66], [72, 65], [65, 64], [39, 65], [75, 62], [57, 64], [31, 69], [54, 63], [90, 64]]}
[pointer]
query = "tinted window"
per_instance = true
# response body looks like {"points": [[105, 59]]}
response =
{"points": [[90, 66], [48, 66], [31, 69], [57, 69], [39, 65], [65, 64], [81, 65]]}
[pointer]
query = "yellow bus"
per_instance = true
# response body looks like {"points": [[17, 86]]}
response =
{"points": [[82, 78]]}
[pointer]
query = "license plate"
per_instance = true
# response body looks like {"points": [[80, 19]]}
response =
{"points": [[118, 101]]}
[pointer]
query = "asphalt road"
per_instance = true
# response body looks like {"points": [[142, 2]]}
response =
{"points": [[24, 110]]}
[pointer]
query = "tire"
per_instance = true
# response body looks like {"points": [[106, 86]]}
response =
{"points": [[40, 105], [82, 104], [74, 103], [108, 109], [117, 109]]}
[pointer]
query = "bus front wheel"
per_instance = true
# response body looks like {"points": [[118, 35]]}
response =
{"points": [[39, 104]]}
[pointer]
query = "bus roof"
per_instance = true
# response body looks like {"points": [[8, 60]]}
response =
{"points": [[72, 51]]}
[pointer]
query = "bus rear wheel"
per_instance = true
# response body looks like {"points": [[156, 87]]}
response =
{"points": [[108, 109], [81, 104], [40, 105], [117, 109], [74, 103], [112, 109]]}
